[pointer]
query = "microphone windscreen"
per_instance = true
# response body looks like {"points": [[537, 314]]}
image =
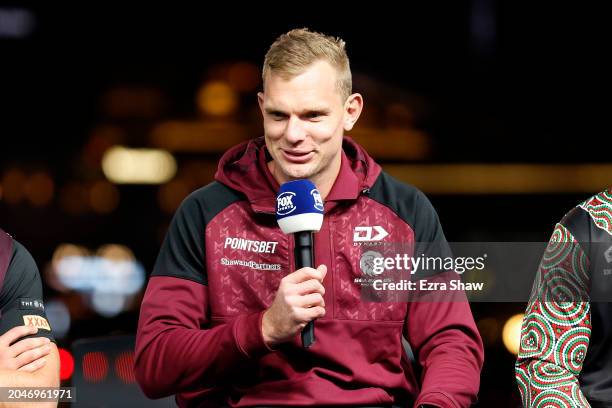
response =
{"points": [[299, 207]]}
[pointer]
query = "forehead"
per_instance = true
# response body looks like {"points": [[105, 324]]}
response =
{"points": [[316, 85]]}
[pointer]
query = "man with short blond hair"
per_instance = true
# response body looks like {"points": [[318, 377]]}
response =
{"points": [[219, 335], [296, 50]]}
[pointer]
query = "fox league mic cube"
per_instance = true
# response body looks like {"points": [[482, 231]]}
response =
{"points": [[299, 207], [299, 211]]}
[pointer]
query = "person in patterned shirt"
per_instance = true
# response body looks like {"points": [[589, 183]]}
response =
{"points": [[565, 359]]}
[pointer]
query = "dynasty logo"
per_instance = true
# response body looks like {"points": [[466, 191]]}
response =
{"points": [[369, 236]]}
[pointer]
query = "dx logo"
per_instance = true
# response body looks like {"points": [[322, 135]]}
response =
{"points": [[374, 233]]}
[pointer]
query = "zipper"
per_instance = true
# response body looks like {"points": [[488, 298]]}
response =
{"points": [[330, 267]]}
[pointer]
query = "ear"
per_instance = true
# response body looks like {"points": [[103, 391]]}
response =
{"points": [[260, 100], [352, 110]]}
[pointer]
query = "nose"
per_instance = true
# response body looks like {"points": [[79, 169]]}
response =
{"points": [[295, 132]]}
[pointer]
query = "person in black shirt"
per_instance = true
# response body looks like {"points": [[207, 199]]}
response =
{"points": [[28, 354]]}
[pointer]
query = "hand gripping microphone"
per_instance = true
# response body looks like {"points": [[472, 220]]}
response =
{"points": [[299, 211]]}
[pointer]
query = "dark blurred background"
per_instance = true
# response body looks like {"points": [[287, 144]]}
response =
{"points": [[494, 109]]}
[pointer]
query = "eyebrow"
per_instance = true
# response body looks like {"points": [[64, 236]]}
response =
{"points": [[320, 110]]}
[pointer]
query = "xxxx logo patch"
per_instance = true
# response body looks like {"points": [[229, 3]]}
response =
{"points": [[36, 321]]}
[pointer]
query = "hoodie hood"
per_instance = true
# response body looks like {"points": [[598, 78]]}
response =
{"points": [[244, 168]]}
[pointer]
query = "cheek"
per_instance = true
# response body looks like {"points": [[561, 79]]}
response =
{"points": [[273, 129], [323, 132]]}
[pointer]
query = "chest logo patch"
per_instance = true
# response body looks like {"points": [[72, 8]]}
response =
{"points": [[369, 234]]}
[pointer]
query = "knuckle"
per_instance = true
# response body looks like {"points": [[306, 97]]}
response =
{"points": [[291, 300], [294, 312], [314, 285]]}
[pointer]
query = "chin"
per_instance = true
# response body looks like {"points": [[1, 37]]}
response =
{"points": [[298, 172]]}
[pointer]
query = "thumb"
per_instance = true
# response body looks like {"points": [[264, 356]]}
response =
{"points": [[323, 269]]}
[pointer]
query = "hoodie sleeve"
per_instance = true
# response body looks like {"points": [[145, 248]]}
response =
{"points": [[555, 332], [442, 332], [177, 348], [21, 299]]}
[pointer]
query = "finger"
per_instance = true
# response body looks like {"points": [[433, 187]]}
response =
{"points": [[323, 269], [311, 313], [16, 333], [310, 286], [27, 344], [33, 366], [310, 300], [29, 356], [302, 275]]}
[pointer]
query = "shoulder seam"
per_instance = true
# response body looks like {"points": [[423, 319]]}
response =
{"points": [[389, 178], [393, 210], [178, 277]]}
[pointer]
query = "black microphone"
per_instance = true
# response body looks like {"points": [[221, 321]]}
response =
{"points": [[299, 211]]}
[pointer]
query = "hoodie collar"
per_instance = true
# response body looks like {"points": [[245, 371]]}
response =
{"points": [[244, 168]]}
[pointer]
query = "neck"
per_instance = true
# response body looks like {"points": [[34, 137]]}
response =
{"points": [[326, 181]]}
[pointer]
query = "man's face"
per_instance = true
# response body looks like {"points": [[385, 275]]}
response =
{"points": [[304, 120]]}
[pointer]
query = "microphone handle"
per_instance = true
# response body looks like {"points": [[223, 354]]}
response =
{"points": [[304, 257]]}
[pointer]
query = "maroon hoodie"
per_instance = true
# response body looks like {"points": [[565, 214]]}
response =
{"points": [[199, 333]]}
